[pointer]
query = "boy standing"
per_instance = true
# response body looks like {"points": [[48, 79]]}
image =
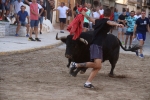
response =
{"points": [[130, 28], [34, 20]]}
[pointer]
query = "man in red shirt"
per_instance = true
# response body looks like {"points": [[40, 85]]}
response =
{"points": [[34, 20]]}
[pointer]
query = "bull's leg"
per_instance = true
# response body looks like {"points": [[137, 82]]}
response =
{"points": [[69, 61], [113, 60], [111, 74], [74, 73]]}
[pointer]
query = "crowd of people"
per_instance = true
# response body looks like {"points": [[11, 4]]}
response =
{"points": [[128, 19], [17, 9]]}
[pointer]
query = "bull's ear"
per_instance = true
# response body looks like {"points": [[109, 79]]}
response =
{"points": [[64, 40]]}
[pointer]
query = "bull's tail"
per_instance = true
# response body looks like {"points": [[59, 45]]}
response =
{"points": [[133, 49]]}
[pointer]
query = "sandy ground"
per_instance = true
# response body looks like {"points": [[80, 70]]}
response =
{"points": [[43, 75]]}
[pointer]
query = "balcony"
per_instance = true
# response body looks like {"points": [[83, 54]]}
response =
{"points": [[146, 3]]}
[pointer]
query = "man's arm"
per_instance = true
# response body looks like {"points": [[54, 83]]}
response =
{"points": [[134, 32], [27, 2], [42, 9], [88, 17], [112, 23], [148, 28], [28, 19], [18, 18], [45, 13]]}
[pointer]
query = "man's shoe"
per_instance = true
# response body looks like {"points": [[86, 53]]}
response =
{"points": [[137, 54], [27, 35], [141, 56], [16, 35], [88, 86], [37, 39], [73, 66], [40, 32], [31, 39], [61, 31]]}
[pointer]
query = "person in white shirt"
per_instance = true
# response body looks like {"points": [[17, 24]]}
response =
{"points": [[101, 10], [138, 15], [62, 15], [17, 6], [96, 14]]}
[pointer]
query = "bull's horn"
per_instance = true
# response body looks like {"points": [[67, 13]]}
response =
{"points": [[59, 38], [84, 41]]}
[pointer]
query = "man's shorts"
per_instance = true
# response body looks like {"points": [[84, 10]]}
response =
{"points": [[34, 23], [41, 20], [3, 7], [22, 23], [141, 36], [122, 29], [86, 25], [96, 52], [68, 18], [62, 20], [129, 33]]}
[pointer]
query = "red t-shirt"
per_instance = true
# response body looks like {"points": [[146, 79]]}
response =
{"points": [[34, 7], [111, 17]]}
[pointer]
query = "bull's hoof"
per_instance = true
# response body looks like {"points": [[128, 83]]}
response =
{"points": [[68, 65], [111, 75], [72, 73], [82, 72]]}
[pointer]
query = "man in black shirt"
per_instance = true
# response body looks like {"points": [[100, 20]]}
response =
{"points": [[121, 31], [102, 27]]}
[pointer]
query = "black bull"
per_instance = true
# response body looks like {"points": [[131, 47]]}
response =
{"points": [[78, 50]]}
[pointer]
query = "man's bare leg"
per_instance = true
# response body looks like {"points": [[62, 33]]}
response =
{"points": [[126, 40]]}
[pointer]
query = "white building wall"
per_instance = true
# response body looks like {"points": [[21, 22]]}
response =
{"points": [[120, 7]]}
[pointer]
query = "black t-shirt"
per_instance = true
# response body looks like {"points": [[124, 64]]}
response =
{"points": [[142, 25], [100, 31], [43, 11], [122, 17]]}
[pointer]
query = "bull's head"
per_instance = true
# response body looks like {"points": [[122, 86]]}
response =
{"points": [[72, 46]]}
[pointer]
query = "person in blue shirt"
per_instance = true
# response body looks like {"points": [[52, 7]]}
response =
{"points": [[21, 19], [141, 27], [127, 12], [116, 15], [130, 20]]}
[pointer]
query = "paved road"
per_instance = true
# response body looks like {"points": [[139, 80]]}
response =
{"points": [[11, 44]]}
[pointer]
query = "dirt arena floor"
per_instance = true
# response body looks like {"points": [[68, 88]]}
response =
{"points": [[43, 75]]}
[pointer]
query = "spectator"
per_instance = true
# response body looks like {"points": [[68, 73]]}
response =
{"points": [[44, 14], [127, 12], [17, 6], [86, 21], [75, 10], [138, 15], [101, 10], [121, 31], [5, 6], [95, 14], [62, 15], [39, 8], [130, 27], [116, 15], [141, 27], [21, 19], [34, 16], [69, 14]]}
